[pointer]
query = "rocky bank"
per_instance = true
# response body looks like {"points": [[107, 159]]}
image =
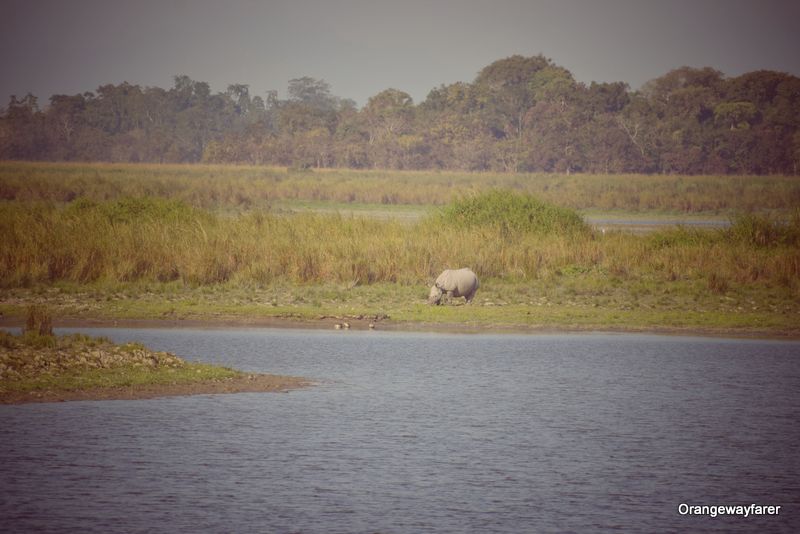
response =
{"points": [[45, 369]]}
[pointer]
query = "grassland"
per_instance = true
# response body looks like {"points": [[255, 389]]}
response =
{"points": [[246, 187], [224, 243]]}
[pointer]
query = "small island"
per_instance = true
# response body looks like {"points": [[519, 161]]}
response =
{"points": [[37, 366]]}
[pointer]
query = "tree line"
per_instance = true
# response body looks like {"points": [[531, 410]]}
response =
{"points": [[520, 114]]}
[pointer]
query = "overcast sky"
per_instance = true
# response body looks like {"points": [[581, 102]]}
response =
{"points": [[363, 47]]}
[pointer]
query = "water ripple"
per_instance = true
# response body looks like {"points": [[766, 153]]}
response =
{"points": [[422, 433]]}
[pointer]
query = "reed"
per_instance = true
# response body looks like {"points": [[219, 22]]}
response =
{"points": [[39, 322], [246, 187], [157, 240]]}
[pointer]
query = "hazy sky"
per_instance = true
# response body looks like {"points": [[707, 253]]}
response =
{"points": [[362, 47]]}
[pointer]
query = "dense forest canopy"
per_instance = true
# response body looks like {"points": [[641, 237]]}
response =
{"points": [[519, 114]]}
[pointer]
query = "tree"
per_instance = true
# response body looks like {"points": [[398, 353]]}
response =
{"points": [[661, 89], [505, 96], [518, 114], [388, 116], [607, 97], [449, 120], [312, 92], [23, 135], [735, 115], [64, 125], [554, 122], [240, 96], [389, 113]]}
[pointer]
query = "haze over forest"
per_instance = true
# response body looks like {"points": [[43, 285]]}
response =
{"points": [[520, 114]]}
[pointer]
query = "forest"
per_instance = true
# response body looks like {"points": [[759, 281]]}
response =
{"points": [[520, 114]]}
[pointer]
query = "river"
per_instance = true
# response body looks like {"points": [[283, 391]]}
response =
{"points": [[645, 225], [423, 432]]}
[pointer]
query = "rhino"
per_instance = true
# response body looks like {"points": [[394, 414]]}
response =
{"points": [[456, 283]]}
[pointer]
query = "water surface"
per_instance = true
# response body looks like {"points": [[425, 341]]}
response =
{"points": [[414, 432]]}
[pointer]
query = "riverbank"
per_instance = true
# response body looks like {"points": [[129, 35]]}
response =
{"points": [[386, 323], [572, 301], [37, 368], [540, 266]]}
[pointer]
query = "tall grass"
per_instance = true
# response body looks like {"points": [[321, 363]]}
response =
{"points": [[130, 240], [765, 231], [239, 187]]}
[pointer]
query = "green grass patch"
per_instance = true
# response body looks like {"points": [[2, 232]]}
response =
{"points": [[574, 299], [118, 377]]}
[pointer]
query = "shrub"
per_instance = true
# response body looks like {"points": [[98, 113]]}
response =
{"points": [[512, 211]]}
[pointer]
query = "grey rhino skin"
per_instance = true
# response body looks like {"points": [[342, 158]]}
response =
{"points": [[456, 283]]}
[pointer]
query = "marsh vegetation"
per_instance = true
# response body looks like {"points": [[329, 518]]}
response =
{"points": [[241, 188], [175, 242]]}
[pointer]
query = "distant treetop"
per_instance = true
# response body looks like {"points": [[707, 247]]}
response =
{"points": [[520, 114]]}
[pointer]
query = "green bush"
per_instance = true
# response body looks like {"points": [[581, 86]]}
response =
{"points": [[512, 212]]}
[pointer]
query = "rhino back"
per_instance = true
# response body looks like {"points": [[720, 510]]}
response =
{"points": [[467, 281], [447, 280], [460, 281]]}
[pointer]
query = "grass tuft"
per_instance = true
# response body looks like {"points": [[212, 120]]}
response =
{"points": [[39, 322]]}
